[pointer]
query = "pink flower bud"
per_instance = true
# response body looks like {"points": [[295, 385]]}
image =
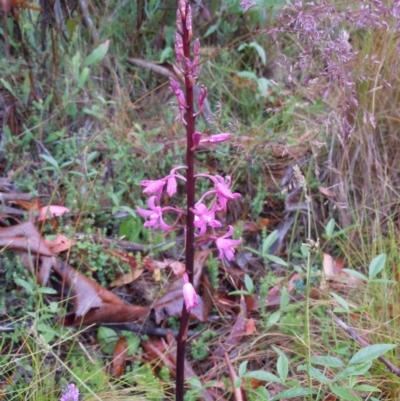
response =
{"points": [[217, 138], [179, 25], [182, 8], [189, 22], [171, 185], [178, 47], [196, 49], [196, 140], [189, 294]]}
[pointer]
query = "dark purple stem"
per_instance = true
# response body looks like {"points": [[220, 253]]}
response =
{"points": [[190, 199]]}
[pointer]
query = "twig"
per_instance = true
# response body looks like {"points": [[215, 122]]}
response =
{"points": [[394, 369]]}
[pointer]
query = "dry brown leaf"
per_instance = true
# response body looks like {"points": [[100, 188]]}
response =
{"points": [[328, 265], [24, 237], [119, 357], [327, 192], [237, 331], [48, 212], [59, 244], [251, 326], [167, 69], [171, 303], [93, 303], [127, 278]]}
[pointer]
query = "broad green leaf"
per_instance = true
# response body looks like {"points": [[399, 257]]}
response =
{"points": [[269, 241], [282, 365], [248, 282], [371, 352], [247, 74], [211, 30], [51, 160], [83, 77], [237, 382], [76, 62], [366, 388], [242, 368], [107, 338], [263, 85], [330, 227], [260, 50], [315, 373], [354, 370], [293, 393], [261, 393], [106, 334], [8, 87], [376, 265], [355, 274], [133, 342], [28, 287], [328, 361], [262, 375], [342, 302], [344, 394], [46, 290], [273, 319], [167, 53], [97, 54], [53, 306], [285, 298], [277, 260], [239, 292]]}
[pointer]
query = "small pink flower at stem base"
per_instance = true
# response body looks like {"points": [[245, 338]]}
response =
{"points": [[189, 294], [225, 245]]}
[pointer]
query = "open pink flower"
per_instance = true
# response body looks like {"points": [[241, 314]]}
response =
{"points": [[225, 245], [204, 217], [189, 294], [154, 215], [223, 192]]}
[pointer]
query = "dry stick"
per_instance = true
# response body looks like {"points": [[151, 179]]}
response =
{"points": [[394, 369]]}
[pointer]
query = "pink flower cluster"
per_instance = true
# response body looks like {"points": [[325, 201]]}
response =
{"points": [[204, 215]]}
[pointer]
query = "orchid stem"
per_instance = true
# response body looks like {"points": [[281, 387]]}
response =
{"points": [[190, 202]]}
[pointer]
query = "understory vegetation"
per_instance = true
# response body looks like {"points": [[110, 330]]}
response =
{"points": [[309, 307]]}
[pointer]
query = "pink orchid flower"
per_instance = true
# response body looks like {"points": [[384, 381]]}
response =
{"points": [[153, 187], [225, 245], [204, 217], [155, 215], [221, 189], [189, 294]]}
